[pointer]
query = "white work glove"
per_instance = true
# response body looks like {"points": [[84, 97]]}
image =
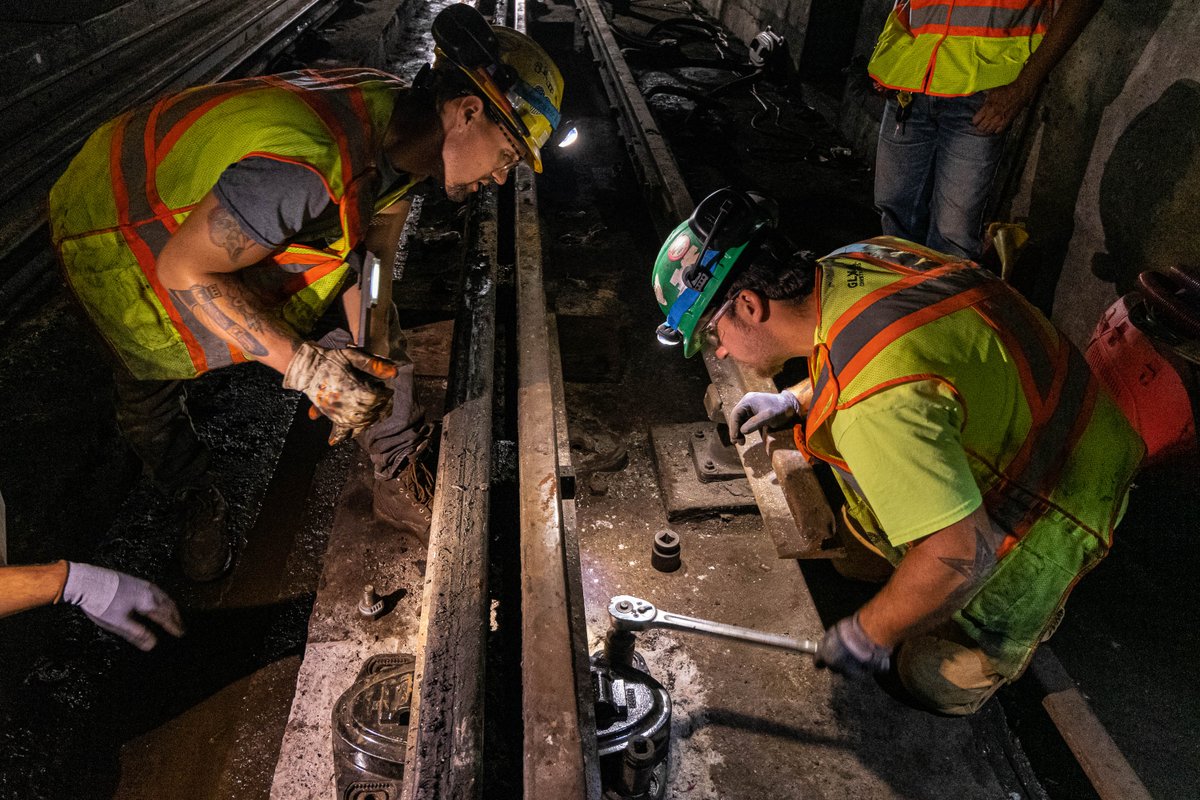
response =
{"points": [[116, 602], [346, 385], [758, 410]]}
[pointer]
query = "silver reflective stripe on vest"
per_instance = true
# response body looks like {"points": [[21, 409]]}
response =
{"points": [[175, 109], [1013, 321], [1003, 21], [880, 251], [333, 99]]}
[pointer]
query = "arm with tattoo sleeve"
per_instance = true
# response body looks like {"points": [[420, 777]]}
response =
{"points": [[936, 577], [199, 266]]}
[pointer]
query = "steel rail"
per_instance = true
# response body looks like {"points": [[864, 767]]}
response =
{"points": [[558, 715], [553, 703]]}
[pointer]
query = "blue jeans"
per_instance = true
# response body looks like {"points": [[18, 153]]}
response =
{"points": [[933, 176]]}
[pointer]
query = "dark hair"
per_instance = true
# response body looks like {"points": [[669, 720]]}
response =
{"points": [[438, 85], [448, 82], [774, 268]]}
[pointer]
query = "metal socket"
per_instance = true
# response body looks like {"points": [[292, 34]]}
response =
{"points": [[665, 556]]}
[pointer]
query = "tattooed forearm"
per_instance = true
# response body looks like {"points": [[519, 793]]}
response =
{"points": [[246, 303], [201, 301], [255, 320], [224, 231], [978, 567]]}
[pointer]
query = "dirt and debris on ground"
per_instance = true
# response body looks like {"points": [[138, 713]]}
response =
{"points": [[82, 715]]}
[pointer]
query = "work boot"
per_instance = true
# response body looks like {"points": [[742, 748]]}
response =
{"points": [[206, 548], [404, 501]]}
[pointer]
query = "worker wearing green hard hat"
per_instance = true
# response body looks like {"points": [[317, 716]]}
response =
{"points": [[699, 255], [976, 451]]}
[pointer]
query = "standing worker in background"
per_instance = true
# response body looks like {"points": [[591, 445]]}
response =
{"points": [[957, 74], [217, 226], [976, 451]]}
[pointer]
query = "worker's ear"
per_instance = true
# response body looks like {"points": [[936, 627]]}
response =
{"points": [[752, 306], [470, 110], [462, 113]]}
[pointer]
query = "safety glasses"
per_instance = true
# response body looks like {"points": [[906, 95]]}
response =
{"points": [[517, 149], [709, 331]]}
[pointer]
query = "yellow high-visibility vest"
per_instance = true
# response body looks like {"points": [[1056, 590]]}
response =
{"points": [[1050, 451], [139, 176], [953, 48]]}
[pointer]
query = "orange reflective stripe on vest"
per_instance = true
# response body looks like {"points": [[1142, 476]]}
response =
{"points": [[957, 47], [1057, 384]]}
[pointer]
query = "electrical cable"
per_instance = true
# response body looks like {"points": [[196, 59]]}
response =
{"points": [[784, 132], [695, 95], [707, 28]]}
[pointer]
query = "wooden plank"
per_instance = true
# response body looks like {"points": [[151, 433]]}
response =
{"points": [[553, 746], [428, 347], [1097, 753], [796, 536], [813, 520], [444, 758]]}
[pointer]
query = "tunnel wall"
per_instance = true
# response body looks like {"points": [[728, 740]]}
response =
{"points": [[1109, 174], [1104, 169], [745, 18]]}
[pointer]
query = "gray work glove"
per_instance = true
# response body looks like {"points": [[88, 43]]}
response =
{"points": [[118, 602], [347, 386], [848, 650], [758, 410]]}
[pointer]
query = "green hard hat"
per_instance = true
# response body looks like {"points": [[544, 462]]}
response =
{"points": [[699, 255]]}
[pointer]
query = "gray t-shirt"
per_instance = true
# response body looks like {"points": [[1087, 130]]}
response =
{"points": [[277, 202], [273, 201]]}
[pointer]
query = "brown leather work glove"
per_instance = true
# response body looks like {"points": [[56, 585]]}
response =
{"points": [[347, 386]]}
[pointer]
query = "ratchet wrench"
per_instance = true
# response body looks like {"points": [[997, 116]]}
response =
{"points": [[634, 614]]}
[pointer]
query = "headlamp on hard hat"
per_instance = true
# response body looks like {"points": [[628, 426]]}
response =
{"points": [[565, 134]]}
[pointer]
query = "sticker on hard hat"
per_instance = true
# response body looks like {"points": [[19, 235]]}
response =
{"points": [[678, 247]]}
